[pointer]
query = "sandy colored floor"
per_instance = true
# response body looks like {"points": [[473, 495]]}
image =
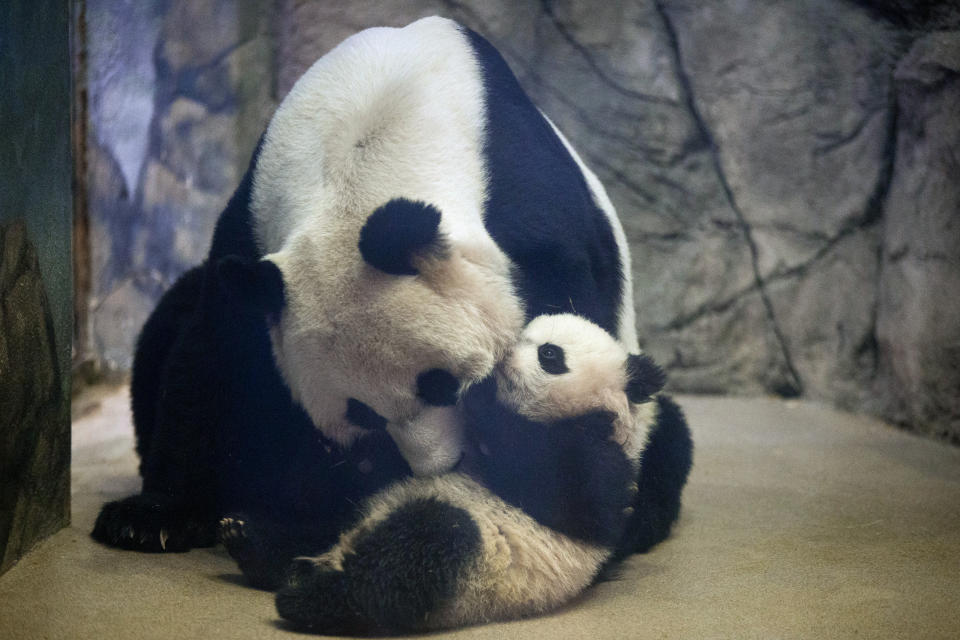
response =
{"points": [[799, 522]]}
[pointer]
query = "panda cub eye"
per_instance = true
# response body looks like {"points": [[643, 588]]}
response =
{"points": [[551, 359]]}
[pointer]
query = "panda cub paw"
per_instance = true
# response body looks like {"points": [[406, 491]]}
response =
{"points": [[231, 533], [249, 549], [316, 598]]}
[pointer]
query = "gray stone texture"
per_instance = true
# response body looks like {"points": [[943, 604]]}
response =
{"points": [[785, 171], [35, 285], [918, 324], [179, 93]]}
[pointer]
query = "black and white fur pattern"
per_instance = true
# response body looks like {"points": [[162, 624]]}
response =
{"points": [[318, 353], [389, 119], [530, 517]]}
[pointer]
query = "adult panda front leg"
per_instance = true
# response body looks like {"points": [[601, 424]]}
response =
{"points": [[192, 410], [174, 432]]}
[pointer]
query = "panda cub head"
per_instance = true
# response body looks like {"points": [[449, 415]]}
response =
{"points": [[565, 366]]}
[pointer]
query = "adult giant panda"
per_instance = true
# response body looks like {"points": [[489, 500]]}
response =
{"points": [[282, 374], [529, 518]]}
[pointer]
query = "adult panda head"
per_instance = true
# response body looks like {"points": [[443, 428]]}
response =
{"points": [[384, 331]]}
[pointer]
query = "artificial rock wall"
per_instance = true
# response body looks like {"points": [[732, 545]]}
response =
{"points": [[786, 172], [178, 93]]}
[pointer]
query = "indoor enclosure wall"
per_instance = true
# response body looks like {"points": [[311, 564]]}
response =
{"points": [[785, 171], [35, 291]]}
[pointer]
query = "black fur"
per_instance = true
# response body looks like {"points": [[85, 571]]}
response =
{"points": [[361, 415], [157, 337], [406, 566], [263, 549], [539, 209], [258, 284], [399, 231], [567, 475], [320, 601], [551, 359], [644, 378], [438, 388], [664, 468]]}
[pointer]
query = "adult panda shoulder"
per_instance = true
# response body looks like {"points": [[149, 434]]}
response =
{"points": [[527, 521], [288, 328]]}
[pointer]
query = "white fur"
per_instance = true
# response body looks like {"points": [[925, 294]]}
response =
{"points": [[433, 442]]}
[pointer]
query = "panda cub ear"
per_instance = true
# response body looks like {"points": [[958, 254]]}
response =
{"points": [[644, 378], [258, 285]]}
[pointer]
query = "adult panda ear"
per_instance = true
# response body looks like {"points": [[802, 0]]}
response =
{"points": [[258, 285], [399, 232], [644, 378]]}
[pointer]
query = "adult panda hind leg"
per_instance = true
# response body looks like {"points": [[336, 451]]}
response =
{"points": [[665, 465], [388, 578]]}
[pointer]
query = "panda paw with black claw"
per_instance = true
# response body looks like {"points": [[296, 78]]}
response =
{"points": [[151, 523]]}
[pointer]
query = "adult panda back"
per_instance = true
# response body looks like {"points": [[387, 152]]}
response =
{"points": [[548, 212]]}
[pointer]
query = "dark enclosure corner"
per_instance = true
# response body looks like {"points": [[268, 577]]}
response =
{"points": [[35, 285]]}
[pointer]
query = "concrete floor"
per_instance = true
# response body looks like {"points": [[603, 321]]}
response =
{"points": [[798, 522]]}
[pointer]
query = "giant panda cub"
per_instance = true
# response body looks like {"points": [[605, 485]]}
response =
{"points": [[532, 513]]}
